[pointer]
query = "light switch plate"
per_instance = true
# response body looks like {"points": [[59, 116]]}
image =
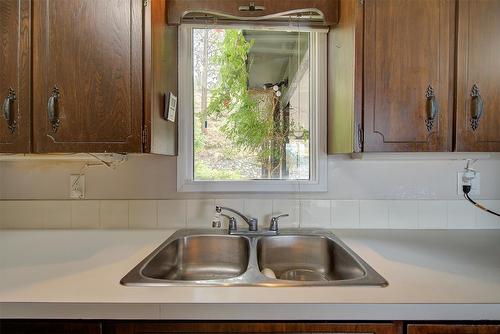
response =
{"points": [[170, 107], [77, 186], [475, 184]]}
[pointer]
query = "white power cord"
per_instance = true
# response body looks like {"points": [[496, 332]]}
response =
{"points": [[469, 175]]}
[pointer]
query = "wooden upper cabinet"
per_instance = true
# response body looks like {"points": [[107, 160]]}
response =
{"points": [[15, 76], [160, 78], [250, 9], [87, 75], [408, 75], [478, 76]]}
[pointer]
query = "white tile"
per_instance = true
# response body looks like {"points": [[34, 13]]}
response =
{"points": [[84, 214], [143, 214], [171, 214], [262, 209], [22, 214], [56, 214], [461, 214], [233, 203], [200, 213], [345, 214], [486, 220], [315, 213], [403, 214], [113, 214], [290, 206], [373, 214], [432, 214]]}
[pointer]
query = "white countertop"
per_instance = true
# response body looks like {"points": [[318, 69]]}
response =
{"points": [[433, 275]]}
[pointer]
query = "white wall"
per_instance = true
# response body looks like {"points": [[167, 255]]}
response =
{"points": [[154, 177]]}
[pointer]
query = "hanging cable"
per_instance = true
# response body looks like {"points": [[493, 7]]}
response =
{"points": [[479, 206]]}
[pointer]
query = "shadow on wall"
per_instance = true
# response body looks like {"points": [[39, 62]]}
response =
{"points": [[154, 177]]}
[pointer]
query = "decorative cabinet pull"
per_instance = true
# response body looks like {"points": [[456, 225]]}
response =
{"points": [[53, 109], [476, 107], [251, 8], [431, 108], [8, 110]]}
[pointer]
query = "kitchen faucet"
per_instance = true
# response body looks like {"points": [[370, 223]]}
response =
{"points": [[253, 228], [252, 222]]}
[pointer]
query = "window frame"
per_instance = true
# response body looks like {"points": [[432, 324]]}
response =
{"points": [[318, 171]]}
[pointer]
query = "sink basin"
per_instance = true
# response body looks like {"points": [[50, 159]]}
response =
{"points": [[298, 257], [307, 258], [202, 257]]}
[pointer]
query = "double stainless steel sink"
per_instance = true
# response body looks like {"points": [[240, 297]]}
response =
{"points": [[295, 257]]}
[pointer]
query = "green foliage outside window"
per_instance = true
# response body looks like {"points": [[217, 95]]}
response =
{"points": [[244, 123]]}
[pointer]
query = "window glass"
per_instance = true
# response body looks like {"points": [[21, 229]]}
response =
{"points": [[251, 103]]}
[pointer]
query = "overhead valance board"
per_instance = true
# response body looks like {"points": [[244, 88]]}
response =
{"points": [[311, 12]]}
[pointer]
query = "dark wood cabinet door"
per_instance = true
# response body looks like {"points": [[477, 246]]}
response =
{"points": [[49, 326], [15, 76], [478, 75], [251, 327], [408, 58], [452, 329], [87, 75]]}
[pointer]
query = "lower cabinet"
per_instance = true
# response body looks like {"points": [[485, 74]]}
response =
{"points": [[170, 327], [162, 327], [50, 327], [452, 329], [251, 327]]}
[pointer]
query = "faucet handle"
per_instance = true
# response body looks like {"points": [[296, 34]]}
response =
{"points": [[216, 221], [253, 224], [274, 222], [232, 224]]}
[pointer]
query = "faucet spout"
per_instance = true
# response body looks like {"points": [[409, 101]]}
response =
{"points": [[252, 222]]}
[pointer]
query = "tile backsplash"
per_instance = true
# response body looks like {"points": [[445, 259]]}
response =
{"points": [[174, 214]]}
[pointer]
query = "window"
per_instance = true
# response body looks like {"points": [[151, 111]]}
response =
{"points": [[252, 109]]}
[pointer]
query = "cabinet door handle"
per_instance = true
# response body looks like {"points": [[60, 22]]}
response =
{"points": [[8, 110], [251, 8], [431, 107], [53, 109], [476, 107]]}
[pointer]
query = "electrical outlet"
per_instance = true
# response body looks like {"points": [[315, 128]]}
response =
{"points": [[475, 184], [77, 186]]}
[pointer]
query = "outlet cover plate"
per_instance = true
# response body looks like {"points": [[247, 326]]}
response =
{"points": [[77, 186], [475, 184]]}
